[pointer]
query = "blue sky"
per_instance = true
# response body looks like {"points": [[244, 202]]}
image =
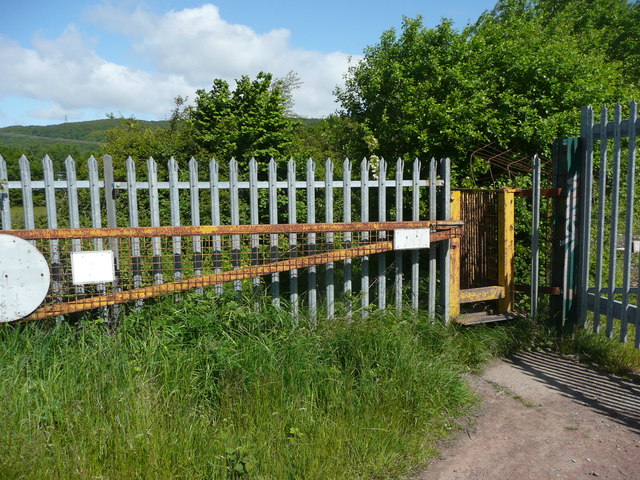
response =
{"points": [[79, 60]]}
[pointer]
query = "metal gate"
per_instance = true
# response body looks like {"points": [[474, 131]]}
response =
{"points": [[599, 224]]}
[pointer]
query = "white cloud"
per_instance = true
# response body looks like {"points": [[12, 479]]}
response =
{"points": [[200, 46], [70, 74], [187, 49]]}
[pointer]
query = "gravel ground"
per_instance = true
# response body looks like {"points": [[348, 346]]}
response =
{"points": [[546, 416]]}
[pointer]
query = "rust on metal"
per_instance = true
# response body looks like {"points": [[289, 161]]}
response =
{"points": [[479, 245], [145, 256], [545, 192], [80, 233], [205, 281], [481, 294], [541, 289]]}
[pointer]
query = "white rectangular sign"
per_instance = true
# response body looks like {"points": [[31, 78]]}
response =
{"points": [[411, 238], [92, 267]]}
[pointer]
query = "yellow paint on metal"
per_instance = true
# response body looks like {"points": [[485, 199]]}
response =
{"points": [[506, 242], [481, 294], [454, 272]]}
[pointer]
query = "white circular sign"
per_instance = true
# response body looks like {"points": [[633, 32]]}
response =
{"points": [[24, 278]]}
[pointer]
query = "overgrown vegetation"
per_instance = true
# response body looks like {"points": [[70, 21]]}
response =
{"points": [[218, 387], [214, 388]]}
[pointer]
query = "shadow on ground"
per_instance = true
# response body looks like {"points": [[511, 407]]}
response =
{"points": [[612, 396]]}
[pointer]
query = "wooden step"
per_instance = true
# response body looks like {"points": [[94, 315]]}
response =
{"points": [[483, 317]]}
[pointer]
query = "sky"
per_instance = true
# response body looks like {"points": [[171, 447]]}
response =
{"points": [[76, 60]]}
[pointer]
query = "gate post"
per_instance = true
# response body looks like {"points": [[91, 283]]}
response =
{"points": [[564, 259], [454, 270], [506, 247]]}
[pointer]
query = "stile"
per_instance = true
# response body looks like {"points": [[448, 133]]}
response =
{"points": [[433, 216], [273, 220], [346, 217], [311, 239], [328, 192], [602, 185], [364, 217], [613, 242], [398, 260], [214, 172], [382, 216], [27, 193], [415, 216], [5, 207], [293, 238], [628, 231], [253, 215], [235, 219], [154, 210], [194, 203]]}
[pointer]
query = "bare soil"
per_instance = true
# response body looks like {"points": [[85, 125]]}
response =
{"points": [[546, 416]]}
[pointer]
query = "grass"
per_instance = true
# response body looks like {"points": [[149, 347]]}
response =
{"points": [[17, 215], [221, 388], [602, 352], [212, 388]]}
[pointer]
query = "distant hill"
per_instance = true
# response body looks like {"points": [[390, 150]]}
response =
{"points": [[90, 133], [86, 135]]}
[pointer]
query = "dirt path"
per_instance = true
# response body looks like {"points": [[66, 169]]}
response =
{"points": [[545, 416]]}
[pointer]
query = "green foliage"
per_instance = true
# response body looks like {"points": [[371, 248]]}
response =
{"points": [[140, 140], [517, 78], [249, 121]]}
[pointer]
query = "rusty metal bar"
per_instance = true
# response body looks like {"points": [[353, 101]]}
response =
{"points": [[541, 290], [442, 226], [207, 280], [544, 192]]}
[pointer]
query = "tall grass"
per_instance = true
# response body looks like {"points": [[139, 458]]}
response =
{"points": [[217, 388]]}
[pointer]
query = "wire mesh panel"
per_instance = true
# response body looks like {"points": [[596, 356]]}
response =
{"points": [[479, 255], [224, 254]]}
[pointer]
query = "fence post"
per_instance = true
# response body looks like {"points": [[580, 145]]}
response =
{"points": [[110, 203], [5, 209], [564, 264], [444, 246], [535, 236], [506, 245], [454, 271]]}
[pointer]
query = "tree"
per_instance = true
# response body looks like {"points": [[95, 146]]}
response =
{"points": [[249, 121], [517, 77]]}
